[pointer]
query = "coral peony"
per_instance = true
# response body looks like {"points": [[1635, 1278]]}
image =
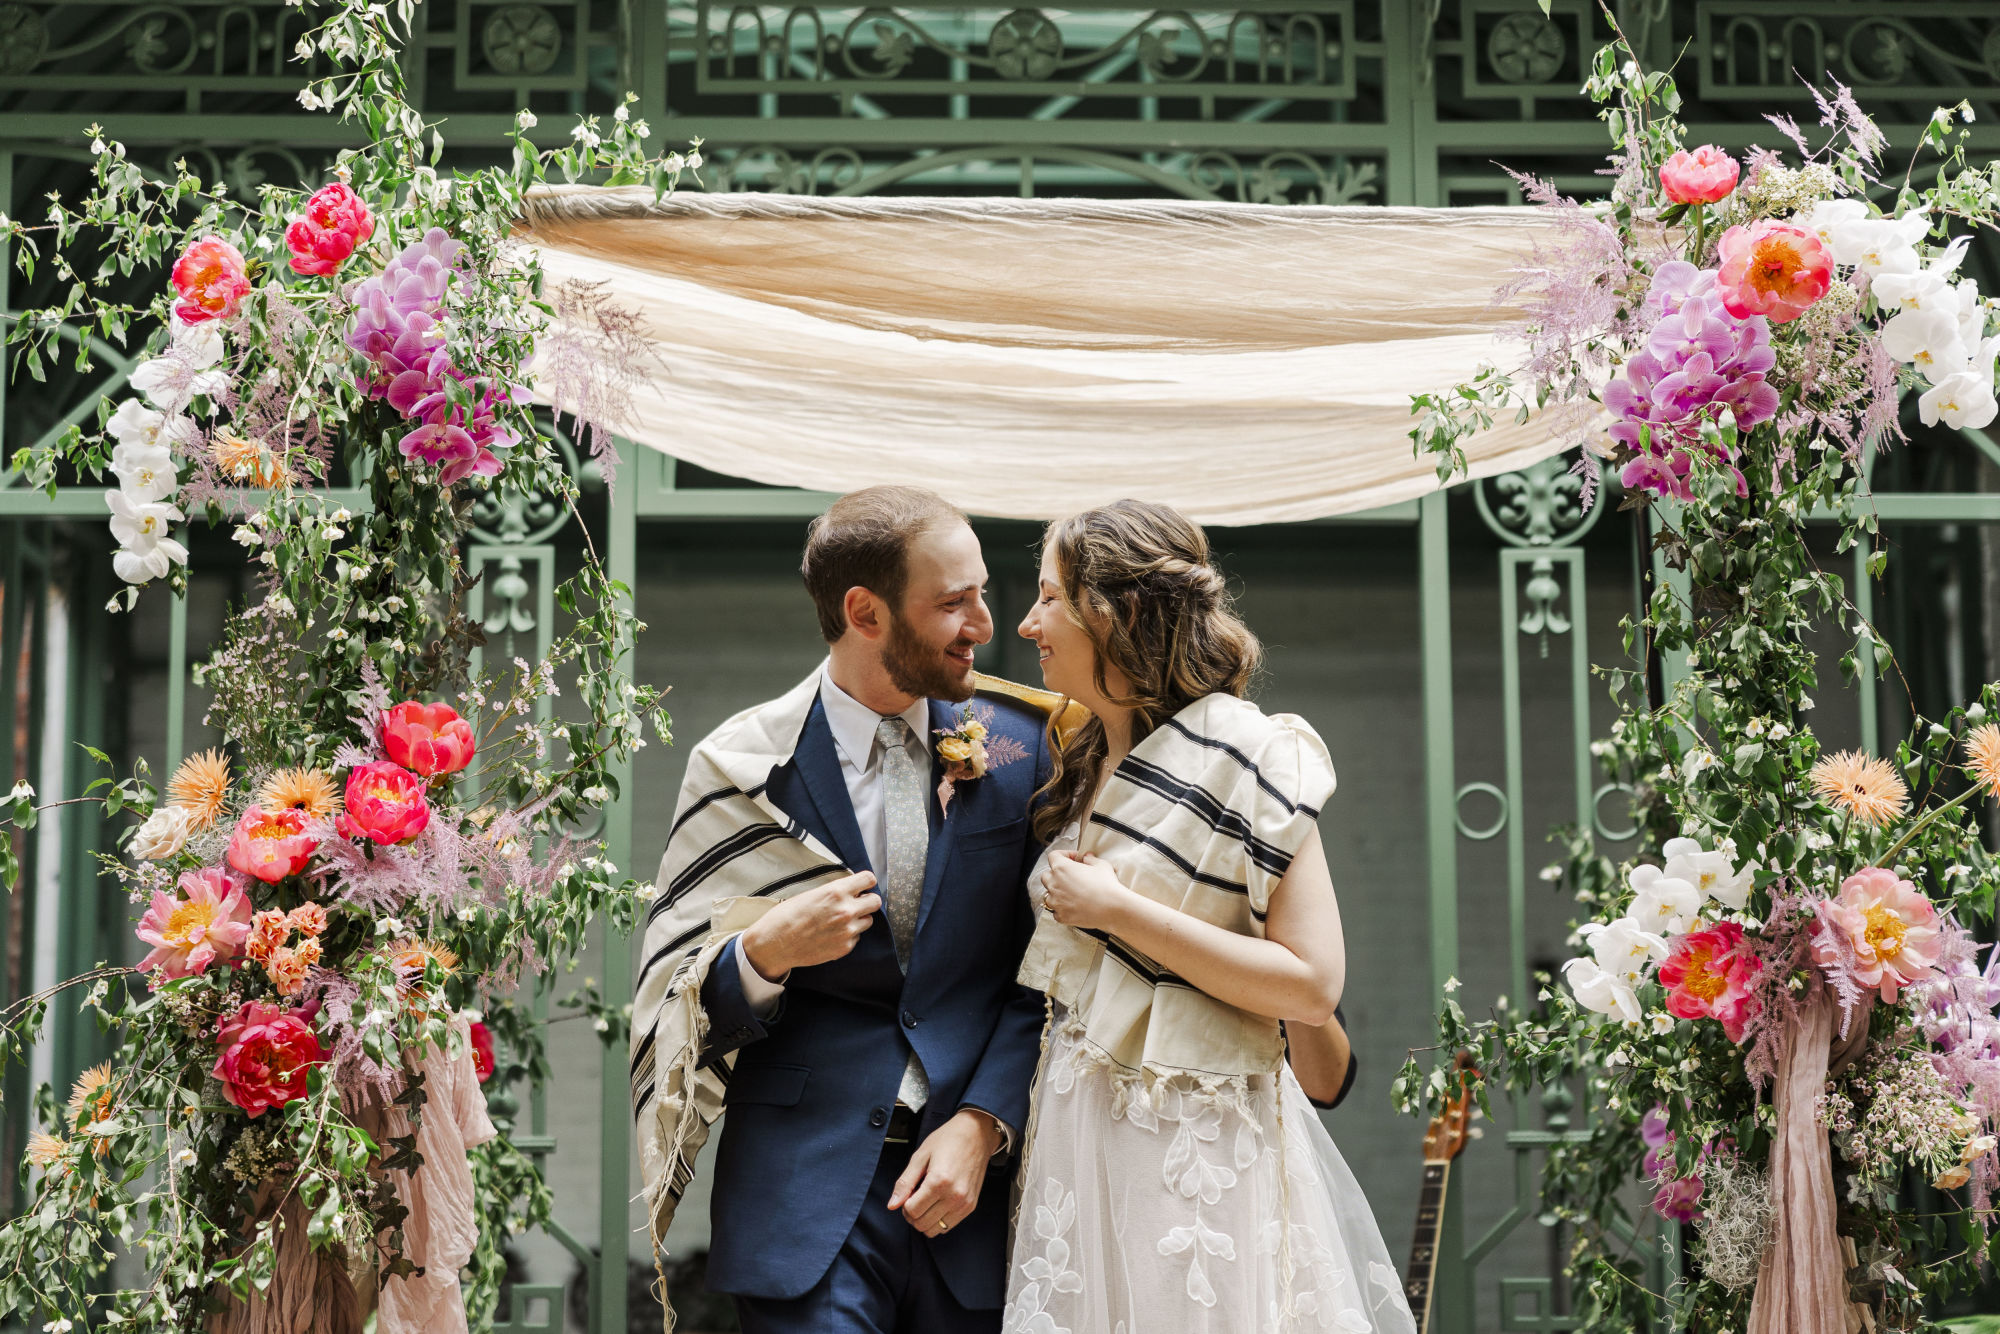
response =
{"points": [[482, 1050], [428, 738], [1700, 176], [211, 280], [266, 1053], [188, 934], [385, 802], [271, 844], [1709, 974], [334, 224], [1770, 268], [1889, 925]]}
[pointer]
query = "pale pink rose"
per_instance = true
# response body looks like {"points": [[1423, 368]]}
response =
{"points": [[209, 922], [1891, 927], [1699, 176]]}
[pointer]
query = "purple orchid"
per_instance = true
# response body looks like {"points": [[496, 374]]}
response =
{"points": [[399, 327], [1696, 360]]}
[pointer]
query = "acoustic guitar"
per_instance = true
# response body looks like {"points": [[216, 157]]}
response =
{"points": [[1443, 1141]]}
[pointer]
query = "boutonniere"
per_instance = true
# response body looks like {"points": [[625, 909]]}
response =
{"points": [[968, 754]]}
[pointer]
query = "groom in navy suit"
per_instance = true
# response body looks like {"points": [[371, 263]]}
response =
{"points": [[883, 1050]]}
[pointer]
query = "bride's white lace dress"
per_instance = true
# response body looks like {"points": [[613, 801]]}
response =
{"points": [[1187, 1205]]}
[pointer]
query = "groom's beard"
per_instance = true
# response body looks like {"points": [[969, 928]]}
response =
{"points": [[921, 669]]}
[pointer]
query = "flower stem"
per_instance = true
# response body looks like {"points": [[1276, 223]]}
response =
{"points": [[1918, 827]]}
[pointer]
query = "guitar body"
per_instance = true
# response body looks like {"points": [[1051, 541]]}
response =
{"points": [[1444, 1140]]}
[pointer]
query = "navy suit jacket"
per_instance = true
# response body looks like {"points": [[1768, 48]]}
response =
{"points": [[809, 1099]]}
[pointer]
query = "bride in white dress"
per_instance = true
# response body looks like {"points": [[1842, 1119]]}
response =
{"points": [[1175, 1178]]}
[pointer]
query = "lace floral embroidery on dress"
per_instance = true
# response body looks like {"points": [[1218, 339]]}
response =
{"points": [[1047, 1273]]}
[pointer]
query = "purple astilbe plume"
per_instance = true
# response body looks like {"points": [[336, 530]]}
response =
{"points": [[591, 359], [1570, 296], [1697, 359]]}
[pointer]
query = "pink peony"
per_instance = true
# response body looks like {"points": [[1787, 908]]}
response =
{"points": [[1890, 926], [1699, 177], [385, 802], [1773, 269], [211, 280], [429, 738], [271, 844], [482, 1051], [1709, 974], [266, 1053], [334, 224], [188, 934]]}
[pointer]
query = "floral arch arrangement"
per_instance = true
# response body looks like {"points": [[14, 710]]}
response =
{"points": [[1779, 1005], [341, 900]]}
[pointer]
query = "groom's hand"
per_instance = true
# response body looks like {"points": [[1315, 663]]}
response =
{"points": [[818, 926], [941, 1185]]}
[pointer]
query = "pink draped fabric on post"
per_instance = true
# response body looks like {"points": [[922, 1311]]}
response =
{"points": [[1802, 1287], [440, 1232]]}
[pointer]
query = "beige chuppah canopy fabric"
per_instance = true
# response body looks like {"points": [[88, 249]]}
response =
{"points": [[1027, 357]]}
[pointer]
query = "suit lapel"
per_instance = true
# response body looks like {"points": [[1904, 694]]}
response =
{"points": [[827, 812], [944, 824]]}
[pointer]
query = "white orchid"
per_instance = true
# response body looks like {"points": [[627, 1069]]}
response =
{"points": [[1969, 309], [171, 382], [1663, 903], [135, 424], [1929, 341], [1829, 214], [1600, 991], [145, 472], [1964, 400], [1711, 873], [199, 345], [1929, 288], [1623, 947], [1876, 246], [144, 549]]}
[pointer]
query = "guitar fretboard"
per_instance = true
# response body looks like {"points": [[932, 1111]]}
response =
{"points": [[1423, 1246]]}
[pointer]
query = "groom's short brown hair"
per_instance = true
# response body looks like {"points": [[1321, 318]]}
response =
{"points": [[863, 541]]}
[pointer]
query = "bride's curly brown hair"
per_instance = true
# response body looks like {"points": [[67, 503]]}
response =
{"points": [[1138, 578]]}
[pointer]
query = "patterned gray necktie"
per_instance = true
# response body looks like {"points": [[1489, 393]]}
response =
{"points": [[908, 835], [904, 851]]}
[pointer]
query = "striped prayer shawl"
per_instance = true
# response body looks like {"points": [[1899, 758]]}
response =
{"points": [[1205, 815], [731, 855]]}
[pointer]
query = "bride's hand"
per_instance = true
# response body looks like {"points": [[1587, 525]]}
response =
{"points": [[1083, 892]]}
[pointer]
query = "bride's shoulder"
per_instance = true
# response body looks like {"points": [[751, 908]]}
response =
{"points": [[1283, 749]]}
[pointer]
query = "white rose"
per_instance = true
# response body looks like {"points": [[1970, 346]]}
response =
{"points": [[163, 834]]}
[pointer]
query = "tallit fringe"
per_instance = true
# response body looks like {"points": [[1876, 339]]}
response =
{"points": [[674, 1087]]}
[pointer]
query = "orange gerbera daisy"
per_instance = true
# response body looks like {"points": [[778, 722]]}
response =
{"points": [[1866, 788], [201, 786], [92, 1093], [308, 790], [411, 955], [1982, 748]]}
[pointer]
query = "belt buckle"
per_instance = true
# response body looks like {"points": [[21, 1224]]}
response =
{"points": [[904, 1119]]}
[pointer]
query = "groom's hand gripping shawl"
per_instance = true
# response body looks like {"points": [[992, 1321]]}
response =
{"points": [[730, 856]]}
